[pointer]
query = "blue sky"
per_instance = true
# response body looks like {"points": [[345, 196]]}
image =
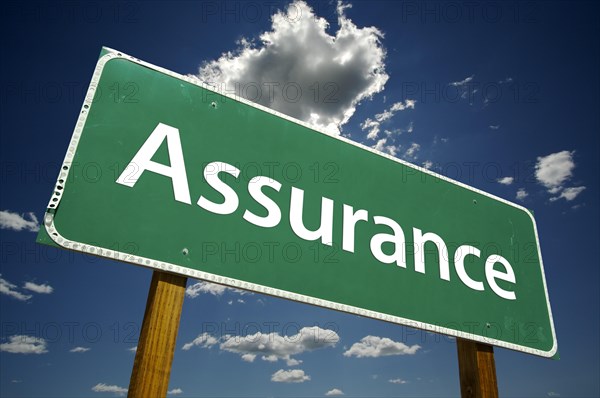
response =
{"points": [[501, 96]]}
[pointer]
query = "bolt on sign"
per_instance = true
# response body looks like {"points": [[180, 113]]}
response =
{"points": [[165, 172]]}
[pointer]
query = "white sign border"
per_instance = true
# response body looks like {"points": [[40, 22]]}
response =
{"points": [[238, 284]]}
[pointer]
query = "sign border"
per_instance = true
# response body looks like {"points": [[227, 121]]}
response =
{"points": [[110, 54]]}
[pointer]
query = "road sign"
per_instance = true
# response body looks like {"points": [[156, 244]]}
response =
{"points": [[165, 172]]}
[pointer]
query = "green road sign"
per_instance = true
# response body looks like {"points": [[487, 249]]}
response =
{"points": [[164, 172]]}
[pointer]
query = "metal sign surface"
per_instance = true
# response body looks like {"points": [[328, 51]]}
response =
{"points": [[167, 173]]}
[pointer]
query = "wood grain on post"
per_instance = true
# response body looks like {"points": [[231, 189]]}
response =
{"points": [[156, 346], [477, 370]]}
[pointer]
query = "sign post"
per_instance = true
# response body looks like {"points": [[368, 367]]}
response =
{"points": [[156, 345], [477, 370]]}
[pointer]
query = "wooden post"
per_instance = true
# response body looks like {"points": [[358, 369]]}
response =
{"points": [[477, 370], [156, 346]]}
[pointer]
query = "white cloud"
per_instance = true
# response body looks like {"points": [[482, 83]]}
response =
{"points": [[21, 344], [569, 194], [373, 346], [373, 126], [41, 289], [397, 381], [554, 170], [101, 387], [10, 290], [336, 392], [301, 70], [17, 222], [80, 349], [411, 152], [553, 394], [132, 349], [467, 90], [289, 376], [199, 288], [175, 391], [428, 164], [495, 126], [398, 106], [506, 180], [273, 347], [522, 194], [248, 357], [507, 80], [270, 347], [382, 147], [204, 340], [196, 289], [461, 83], [293, 362]]}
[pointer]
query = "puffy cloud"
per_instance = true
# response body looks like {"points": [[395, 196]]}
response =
{"points": [[290, 376], [17, 222], [336, 392], [398, 106], [293, 362], [79, 349], [204, 340], [569, 194], [271, 347], [461, 83], [373, 346], [397, 381], [196, 289], [522, 194], [373, 126], [466, 89], [428, 164], [248, 357], [11, 290], [301, 70], [41, 289], [411, 152], [21, 344], [101, 387], [175, 391], [382, 147], [554, 170], [199, 288], [494, 126], [506, 180]]}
